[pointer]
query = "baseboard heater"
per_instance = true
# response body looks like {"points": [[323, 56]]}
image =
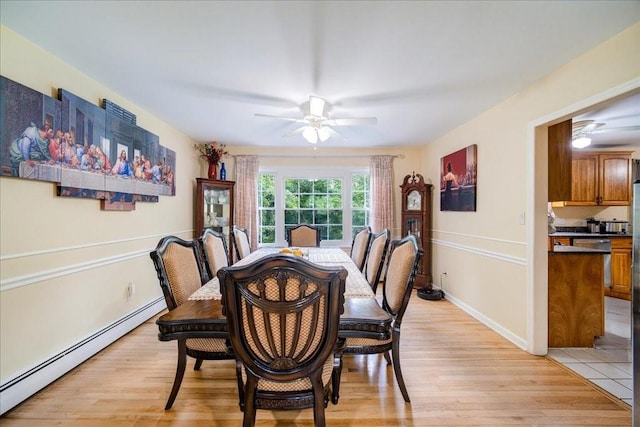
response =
{"points": [[38, 377]]}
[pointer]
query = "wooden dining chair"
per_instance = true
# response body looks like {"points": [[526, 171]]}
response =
{"points": [[360, 247], [241, 242], [303, 235], [283, 316], [404, 257], [180, 270], [215, 253], [376, 257]]}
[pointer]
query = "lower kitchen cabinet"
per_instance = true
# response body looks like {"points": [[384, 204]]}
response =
{"points": [[621, 268], [576, 299]]}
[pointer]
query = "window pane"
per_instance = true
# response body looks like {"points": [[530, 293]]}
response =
{"points": [[322, 216], [335, 201], [335, 232], [306, 186], [292, 201], [268, 217], [306, 201], [291, 217], [358, 219], [320, 186], [291, 185], [334, 186], [358, 182], [268, 235], [358, 200], [306, 217], [335, 217], [320, 201], [267, 200]]}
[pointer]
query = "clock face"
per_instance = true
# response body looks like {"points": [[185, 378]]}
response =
{"points": [[414, 200]]}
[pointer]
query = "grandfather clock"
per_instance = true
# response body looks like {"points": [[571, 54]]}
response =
{"points": [[416, 220]]}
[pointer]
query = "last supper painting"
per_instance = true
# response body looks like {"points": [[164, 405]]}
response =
{"points": [[88, 151]]}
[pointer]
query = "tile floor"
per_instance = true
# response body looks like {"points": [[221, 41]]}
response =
{"points": [[608, 364]]}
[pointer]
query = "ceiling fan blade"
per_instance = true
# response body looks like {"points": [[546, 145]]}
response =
{"points": [[294, 132], [235, 95], [290, 119], [616, 129], [332, 130], [356, 121]]}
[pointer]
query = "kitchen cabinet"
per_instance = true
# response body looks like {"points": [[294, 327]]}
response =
{"points": [[600, 179], [416, 220], [560, 154], [214, 207], [621, 261]]}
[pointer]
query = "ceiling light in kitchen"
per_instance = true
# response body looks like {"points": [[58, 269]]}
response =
{"points": [[581, 142]]}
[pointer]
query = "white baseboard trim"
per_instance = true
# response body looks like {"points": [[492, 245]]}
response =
{"points": [[38, 377], [487, 322]]}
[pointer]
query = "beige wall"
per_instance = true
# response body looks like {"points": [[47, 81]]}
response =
{"points": [[488, 254], [65, 264]]}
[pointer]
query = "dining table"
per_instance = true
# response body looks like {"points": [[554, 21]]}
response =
{"points": [[201, 315]]}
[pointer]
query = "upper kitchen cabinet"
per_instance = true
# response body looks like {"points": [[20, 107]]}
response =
{"points": [[559, 146], [600, 179]]}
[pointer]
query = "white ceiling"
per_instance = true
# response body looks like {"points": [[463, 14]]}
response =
{"points": [[421, 68]]}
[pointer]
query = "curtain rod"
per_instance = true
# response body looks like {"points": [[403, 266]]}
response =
{"points": [[312, 156]]}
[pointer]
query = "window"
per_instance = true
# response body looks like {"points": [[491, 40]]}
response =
{"points": [[359, 201], [266, 208], [292, 196]]}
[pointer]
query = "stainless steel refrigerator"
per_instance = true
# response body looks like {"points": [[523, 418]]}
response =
{"points": [[635, 305]]}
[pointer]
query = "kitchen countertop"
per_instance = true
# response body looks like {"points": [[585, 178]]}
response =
{"points": [[587, 235], [564, 249]]}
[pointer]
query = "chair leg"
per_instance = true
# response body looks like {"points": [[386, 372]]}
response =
{"points": [[387, 357], [198, 364], [249, 419], [182, 364], [395, 352], [318, 401], [336, 374], [241, 386]]}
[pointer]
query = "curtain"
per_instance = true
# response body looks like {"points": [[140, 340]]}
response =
{"points": [[245, 213], [381, 189]]}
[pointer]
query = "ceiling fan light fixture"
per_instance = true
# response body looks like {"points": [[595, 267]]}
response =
{"points": [[310, 134], [316, 106], [581, 142], [323, 133]]}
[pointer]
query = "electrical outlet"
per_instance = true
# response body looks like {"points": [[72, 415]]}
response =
{"points": [[131, 291], [521, 218]]}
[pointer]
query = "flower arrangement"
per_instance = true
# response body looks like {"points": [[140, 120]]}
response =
{"points": [[212, 152]]}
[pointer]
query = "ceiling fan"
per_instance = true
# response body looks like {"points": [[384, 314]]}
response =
{"points": [[582, 129], [316, 124]]}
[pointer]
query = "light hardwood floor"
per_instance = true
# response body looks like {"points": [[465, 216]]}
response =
{"points": [[457, 371]]}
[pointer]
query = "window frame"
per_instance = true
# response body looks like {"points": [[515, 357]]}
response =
{"points": [[282, 173]]}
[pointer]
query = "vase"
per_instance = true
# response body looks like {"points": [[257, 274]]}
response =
{"points": [[213, 171]]}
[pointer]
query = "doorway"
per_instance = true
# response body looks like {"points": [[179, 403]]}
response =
{"points": [[538, 231]]}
